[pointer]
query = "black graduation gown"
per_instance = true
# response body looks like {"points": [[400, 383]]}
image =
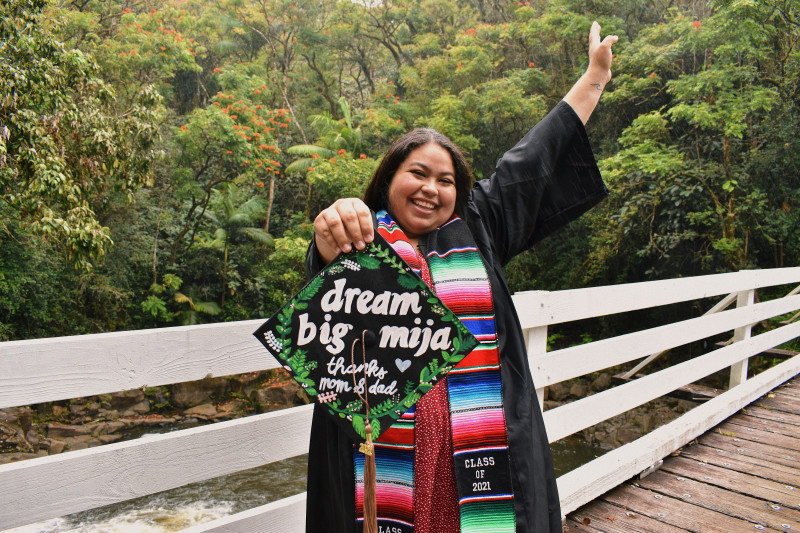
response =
{"points": [[546, 180]]}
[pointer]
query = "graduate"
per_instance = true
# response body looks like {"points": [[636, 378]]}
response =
{"points": [[473, 454]]}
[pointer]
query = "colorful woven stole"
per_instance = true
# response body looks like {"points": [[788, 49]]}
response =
{"points": [[478, 427]]}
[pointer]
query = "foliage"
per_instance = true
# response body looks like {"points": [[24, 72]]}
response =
{"points": [[176, 151], [66, 146]]}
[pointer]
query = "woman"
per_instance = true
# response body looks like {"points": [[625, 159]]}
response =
{"points": [[473, 455]]}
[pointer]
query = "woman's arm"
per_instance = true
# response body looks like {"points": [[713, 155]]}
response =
{"points": [[585, 94]]}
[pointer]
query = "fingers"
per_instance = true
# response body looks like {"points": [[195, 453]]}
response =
{"points": [[600, 54], [346, 223], [594, 35]]}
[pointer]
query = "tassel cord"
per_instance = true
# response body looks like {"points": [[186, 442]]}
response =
{"points": [[367, 448]]}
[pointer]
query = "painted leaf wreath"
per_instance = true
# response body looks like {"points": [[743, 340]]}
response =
{"points": [[366, 338]]}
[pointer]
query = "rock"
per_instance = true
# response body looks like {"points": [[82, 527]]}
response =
{"points": [[644, 420], [77, 409], [114, 426], [558, 391], [12, 439], [19, 456], [141, 407], [81, 442], [8, 416], [550, 404], [125, 399], [601, 382], [60, 411], [107, 439], [32, 436], [203, 412], [25, 419], [56, 446], [628, 434], [192, 393], [577, 390], [279, 396], [60, 431]]}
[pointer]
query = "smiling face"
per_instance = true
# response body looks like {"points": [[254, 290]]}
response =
{"points": [[422, 193]]}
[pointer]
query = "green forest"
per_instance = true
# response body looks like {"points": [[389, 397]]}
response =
{"points": [[161, 161]]}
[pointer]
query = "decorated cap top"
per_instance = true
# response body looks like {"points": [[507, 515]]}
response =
{"points": [[366, 337]]}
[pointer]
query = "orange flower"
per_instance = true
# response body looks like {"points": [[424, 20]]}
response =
{"points": [[311, 169], [342, 151], [217, 69], [234, 116], [471, 31], [261, 183], [652, 74], [363, 156], [531, 64]]}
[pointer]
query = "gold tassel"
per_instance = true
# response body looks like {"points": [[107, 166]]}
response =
{"points": [[370, 504]]}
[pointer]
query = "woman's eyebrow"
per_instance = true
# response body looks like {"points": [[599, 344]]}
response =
{"points": [[427, 168]]}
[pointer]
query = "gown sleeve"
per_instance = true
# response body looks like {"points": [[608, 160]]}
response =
{"points": [[549, 178]]}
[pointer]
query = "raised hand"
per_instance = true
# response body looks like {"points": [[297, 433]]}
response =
{"points": [[344, 224]]}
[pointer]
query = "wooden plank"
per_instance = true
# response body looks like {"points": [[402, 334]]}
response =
{"points": [[44, 370], [763, 424], [560, 365], [794, 386], [117, 472], [768, 414], [284, 516], [724, 501], [540, 308], [789, 395], [587, 482], [757, 466], [755, 486], [775, 404], [575, 416], [605, 517], [752, 449], [571, 526], [781, 441], [679, 512]]}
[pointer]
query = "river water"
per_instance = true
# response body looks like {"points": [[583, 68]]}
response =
{"points": [[194, 504]]}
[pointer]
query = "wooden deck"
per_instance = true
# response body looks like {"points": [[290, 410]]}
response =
{"points": [[743, 475]]}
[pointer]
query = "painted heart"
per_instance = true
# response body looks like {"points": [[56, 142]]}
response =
{"points": [[402, 364]]}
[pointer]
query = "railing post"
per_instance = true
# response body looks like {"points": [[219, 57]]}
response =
{"points": [[536, 341], [739, 370]]}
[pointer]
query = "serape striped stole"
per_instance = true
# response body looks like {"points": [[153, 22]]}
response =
{"points": [[478, 426]]}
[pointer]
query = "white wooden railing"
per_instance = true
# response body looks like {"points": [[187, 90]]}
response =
{"points": [[44, 370]]}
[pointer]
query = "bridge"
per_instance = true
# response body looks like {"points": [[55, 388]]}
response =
{"points": [[719, 455]]}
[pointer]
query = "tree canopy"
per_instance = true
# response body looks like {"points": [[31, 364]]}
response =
{"points": [[161, 162]]}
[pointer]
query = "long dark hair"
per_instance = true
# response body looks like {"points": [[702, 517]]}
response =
{"points": [[376, 195]]}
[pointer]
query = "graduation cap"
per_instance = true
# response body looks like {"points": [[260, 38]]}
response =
{"points": [[366, 339]]}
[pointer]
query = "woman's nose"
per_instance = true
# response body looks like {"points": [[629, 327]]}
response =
{"points": [[429, 187]]}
